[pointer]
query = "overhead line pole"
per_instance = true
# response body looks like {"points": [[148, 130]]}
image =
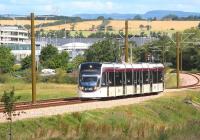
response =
{"points": [[126, 41], [33, 68], [177, 57]]}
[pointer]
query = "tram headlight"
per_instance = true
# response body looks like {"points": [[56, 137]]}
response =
{"points": [[81, 88], [95, 88]]}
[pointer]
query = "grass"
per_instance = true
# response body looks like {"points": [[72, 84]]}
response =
{"points": [[170, 81], [168, 117], [44, 90], [170, 78]]}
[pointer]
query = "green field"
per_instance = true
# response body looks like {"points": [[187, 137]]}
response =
{"points": [[44, 90], [168, 117]]}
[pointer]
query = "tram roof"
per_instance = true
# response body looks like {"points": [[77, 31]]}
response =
{"points": [[128, 65]]}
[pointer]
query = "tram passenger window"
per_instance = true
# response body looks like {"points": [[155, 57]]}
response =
{"points": [[103, 80], [118, 78], [134, 77], [155, 77], [160, 76], [145, 77], [138, 77], [150, 76], [141, 77], [129, 78], [111, 79]]}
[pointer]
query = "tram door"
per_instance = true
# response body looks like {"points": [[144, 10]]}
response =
{"points": [[138, 76], [111, 83], [135, 81], [107, 83], [124, 82], [119, 84], [151, 80], [141, 81]]}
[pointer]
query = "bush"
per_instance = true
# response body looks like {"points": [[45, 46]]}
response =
{"points": [[16, 67], [27, 76], [4, 78], [61, 77], [71, 80]]}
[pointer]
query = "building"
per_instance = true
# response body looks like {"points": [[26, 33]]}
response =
{"points": [[17, 39], [13, 35], [21, 51], [74, 48]]}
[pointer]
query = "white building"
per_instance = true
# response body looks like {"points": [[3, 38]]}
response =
{"points": [[74, 49], [13, 35], [18, 40]]}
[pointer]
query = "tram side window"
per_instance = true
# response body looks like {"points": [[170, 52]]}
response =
{"points": [[141, 77], [129, 78], [155, 77], [111, 79], [160, 76], [118, 78], [145, 77], [138, 77], [135, 77], [103, 80], [150, 76]]}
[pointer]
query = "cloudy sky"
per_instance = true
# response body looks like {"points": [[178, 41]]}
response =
{"points": [[71, 7]]}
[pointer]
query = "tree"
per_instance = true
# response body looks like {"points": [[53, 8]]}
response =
{"points": [[170, 17], [58, 61], [100, 18], [26, 62], [103, 51], [148, 27], [137, 17], [7, 59], [141, 26], [9, 100], [50, 58], [199, 25], [47, 53], [77, 61]]}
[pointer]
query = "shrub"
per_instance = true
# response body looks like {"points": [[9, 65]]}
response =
{"points": [[4, 78], [27, 76]]}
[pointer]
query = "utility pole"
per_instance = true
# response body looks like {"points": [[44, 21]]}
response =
{"points": [[33, 59], [126, 41], [177, 57]]}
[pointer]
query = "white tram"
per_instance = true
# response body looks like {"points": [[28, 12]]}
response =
{"points": [[101, 80]]}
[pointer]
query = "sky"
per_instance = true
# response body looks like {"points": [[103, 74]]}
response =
{"points": [[72, 7]]}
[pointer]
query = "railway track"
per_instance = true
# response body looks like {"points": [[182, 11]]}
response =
{"points": [[46, 103], [191, 86], [76, 100], [197, 84]]}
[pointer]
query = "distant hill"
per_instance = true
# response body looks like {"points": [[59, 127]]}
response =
{"points": [[113, 15], [162, 13], [159, 14]]}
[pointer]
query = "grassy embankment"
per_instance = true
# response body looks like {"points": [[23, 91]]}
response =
{"points": [[168, 117]]}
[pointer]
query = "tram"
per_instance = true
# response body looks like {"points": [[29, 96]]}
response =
{"points": [[104, 80]]}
